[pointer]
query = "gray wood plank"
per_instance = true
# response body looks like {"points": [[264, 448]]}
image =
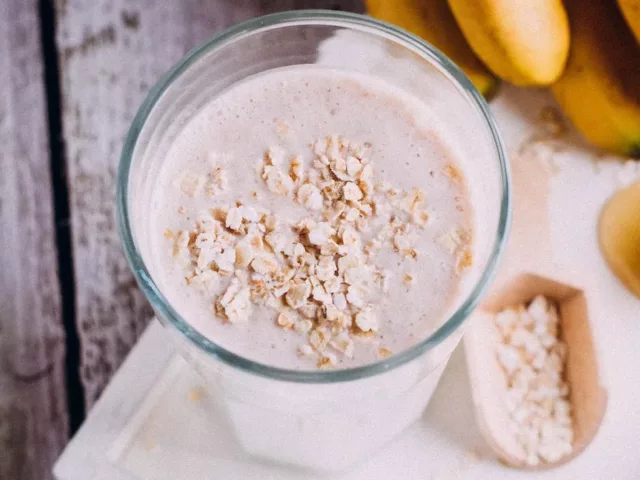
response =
{"points": [[111, 52], [33, 416]]}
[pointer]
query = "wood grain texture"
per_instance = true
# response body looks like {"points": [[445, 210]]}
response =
{"points": [[111, 52], [33, 416]]}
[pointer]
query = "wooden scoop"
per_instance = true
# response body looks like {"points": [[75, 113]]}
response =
{"points": [[587, 396], [619, 232], [529, 270]]}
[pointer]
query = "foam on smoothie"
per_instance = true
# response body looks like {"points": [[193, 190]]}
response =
{"points": [[290, 109]]}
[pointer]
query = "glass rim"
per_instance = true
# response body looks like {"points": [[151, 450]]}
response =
{"points": [[291, 18]]}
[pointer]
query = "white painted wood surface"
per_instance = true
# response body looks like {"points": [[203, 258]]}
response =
{"points": [[33, 416], [111, 53]]}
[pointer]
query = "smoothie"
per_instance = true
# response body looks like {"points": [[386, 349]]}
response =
{"points": [[312, 218]]}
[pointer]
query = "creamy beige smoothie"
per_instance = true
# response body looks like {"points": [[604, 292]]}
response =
{"points": [[312, 218]]}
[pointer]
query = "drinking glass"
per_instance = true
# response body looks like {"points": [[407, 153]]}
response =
{"points": [[321, 420]]}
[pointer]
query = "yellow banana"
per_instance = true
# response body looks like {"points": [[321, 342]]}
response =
{"points": [[432, 20], [522, 41], [600, 87], [620, 235], [631, 11]]}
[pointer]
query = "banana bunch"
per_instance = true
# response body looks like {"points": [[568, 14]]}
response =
{"points": [[584, 50]]}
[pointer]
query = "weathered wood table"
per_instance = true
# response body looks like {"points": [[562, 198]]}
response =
{"points": [[72, 74]]}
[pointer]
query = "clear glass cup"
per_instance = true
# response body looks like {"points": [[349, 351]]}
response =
{"points": [[323, 420]]}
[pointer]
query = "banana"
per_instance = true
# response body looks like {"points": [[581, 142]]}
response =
{"points": [[525, 42], [600, 87], [631, 11], [432, 21], [619, 235]]}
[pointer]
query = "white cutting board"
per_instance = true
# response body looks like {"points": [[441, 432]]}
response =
{"points": [[154, 420]]}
